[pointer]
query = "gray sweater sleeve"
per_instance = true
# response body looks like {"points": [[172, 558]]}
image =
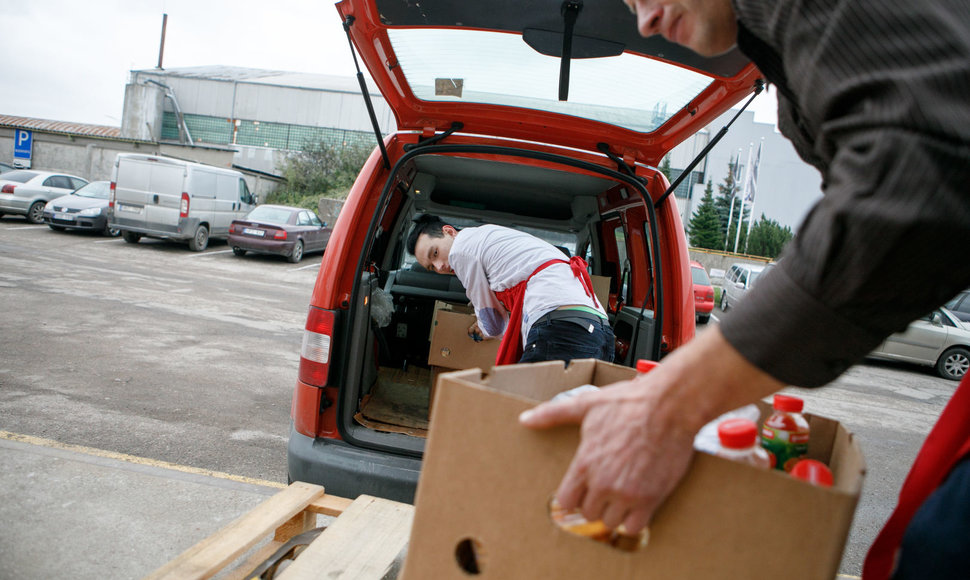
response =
{"points": [[875, 94]]}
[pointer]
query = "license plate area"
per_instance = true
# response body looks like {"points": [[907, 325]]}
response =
{"points": [[254, 232], [129, 208]]}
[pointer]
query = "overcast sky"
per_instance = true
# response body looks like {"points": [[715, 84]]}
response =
{"points": [[68, 60]]}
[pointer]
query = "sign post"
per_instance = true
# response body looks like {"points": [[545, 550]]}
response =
{"points": [[23, 141]]}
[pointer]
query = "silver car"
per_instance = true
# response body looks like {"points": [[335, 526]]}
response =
{"points": [[27, 191], [738, 280], [938, 339]]}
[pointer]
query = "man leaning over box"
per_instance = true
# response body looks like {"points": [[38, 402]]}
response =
{"points": [[874, 94], [522, 288]]}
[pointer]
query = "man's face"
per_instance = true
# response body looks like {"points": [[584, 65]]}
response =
{"points": [[708, 27], [432, 253]]}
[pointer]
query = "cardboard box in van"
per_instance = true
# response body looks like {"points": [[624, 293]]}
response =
{"points": [[161, 197], [483, 498], [451, 347]]}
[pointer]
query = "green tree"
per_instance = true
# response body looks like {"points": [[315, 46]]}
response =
{"points": [[705, 225], [768, 238], [320, 170]]}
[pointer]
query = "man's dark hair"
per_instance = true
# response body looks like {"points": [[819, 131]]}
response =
{"points": [[425, 224]]}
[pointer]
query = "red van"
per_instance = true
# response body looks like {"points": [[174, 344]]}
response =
{"points": [[550, 117]]}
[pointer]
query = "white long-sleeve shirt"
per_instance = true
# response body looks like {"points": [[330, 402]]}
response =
{"points": [[490, 258]]}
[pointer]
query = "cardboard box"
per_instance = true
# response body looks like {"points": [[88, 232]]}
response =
{"points": [[451, 347], [487, 482]]}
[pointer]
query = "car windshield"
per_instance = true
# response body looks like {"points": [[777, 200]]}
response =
{"points": [[273, 215], [95, 189], [476, 66], [21, 176], [699, 276]]}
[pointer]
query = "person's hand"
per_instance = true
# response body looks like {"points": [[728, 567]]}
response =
{"points": [[475, 332], [637, 436]]}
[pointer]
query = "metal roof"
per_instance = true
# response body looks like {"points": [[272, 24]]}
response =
{"points": [[262, 76], [63, 127]]}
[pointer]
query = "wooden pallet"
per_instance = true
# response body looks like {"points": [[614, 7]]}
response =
{"points": [[366, 540]]}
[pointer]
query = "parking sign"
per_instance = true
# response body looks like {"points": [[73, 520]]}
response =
{"points": [[22, 145]]}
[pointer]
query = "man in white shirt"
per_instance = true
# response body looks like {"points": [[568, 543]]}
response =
{"points": [[515, 280]]}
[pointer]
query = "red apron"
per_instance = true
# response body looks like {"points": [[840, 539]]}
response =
{"points": [[946, 444], [510, 349]]}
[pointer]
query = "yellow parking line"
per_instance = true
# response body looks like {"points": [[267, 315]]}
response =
{"points": [[134, 459]]}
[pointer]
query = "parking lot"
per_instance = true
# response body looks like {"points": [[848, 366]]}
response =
{"points": [[154, 351]]}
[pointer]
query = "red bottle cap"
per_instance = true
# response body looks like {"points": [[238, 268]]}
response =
{"points": [[814, 472], [737, 433], [788, 404], [644, 365]]}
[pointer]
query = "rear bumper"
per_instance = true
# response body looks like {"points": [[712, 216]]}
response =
{"points": [[348, 471], [183, 230], [261, 245], [10, 203]]}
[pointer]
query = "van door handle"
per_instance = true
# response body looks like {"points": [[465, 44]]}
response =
{"points": [[155, 199]]}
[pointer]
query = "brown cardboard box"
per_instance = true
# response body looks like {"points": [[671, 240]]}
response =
{"points": [[487, 482], [451, 347]]}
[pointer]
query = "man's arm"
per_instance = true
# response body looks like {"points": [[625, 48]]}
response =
{"points": [[637, 436], [492, 317]]}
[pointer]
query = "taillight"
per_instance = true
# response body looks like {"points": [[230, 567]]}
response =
{"points": [[111, 195], [8, 188], [232, 228], [315, 352], [279, 235], [184, 206]]}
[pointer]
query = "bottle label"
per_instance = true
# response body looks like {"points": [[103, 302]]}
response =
{"points": [[785, 447]]}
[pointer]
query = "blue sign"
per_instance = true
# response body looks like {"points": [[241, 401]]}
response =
{"points": [[22, 142]]}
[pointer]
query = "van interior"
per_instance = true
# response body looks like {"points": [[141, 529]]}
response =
{"points": [[598, 216]]}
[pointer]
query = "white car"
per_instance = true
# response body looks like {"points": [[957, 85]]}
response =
{"points": [[26, 191], [938, 339], [738, 280]]}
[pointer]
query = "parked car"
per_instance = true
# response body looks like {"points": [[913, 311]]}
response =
{"points": [[291, 232], [492, 128], [938, 339], [84, 209], [26, 191], [161, 197], [738, 280], [959, 305], [703, 292]]}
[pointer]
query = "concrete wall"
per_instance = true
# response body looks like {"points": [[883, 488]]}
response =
{"points": [[93, 157]]}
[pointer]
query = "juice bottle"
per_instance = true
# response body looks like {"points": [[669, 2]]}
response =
{"points": [[739, 442], [785, 433]]}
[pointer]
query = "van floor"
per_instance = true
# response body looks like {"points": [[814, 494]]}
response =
{"points": [[398, 402]]}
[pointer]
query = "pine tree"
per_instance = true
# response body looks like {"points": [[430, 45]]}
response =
{"points": [[705, 226], [665, 168], [768, 238]]}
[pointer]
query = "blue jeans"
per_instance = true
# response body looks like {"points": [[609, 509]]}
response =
{"points": [[566, 340]]}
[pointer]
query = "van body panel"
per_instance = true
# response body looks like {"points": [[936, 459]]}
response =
{"points": [[149, 190]]}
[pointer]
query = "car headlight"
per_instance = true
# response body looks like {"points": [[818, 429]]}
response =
{"points": [[91, 211]]}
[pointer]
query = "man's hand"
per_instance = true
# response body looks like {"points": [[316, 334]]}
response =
{"points": [[475, 332], [637, 436]]}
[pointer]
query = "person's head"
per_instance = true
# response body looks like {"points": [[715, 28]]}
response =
{"points": [[430, 242], [708, 27]]}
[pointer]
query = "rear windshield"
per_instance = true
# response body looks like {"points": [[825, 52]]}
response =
{"points": [[20, 176], [699, 275], [273, 215]]}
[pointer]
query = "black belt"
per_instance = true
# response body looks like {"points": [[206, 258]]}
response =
{"points": [[580, 317]]}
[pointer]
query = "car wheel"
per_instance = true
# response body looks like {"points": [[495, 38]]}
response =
{"points": [[35, 214], [56, 228], [131, 237], [239, 251], [724, 301], [297, 254], [954, 363], [704, 319], [111, 232], [200, 240]]}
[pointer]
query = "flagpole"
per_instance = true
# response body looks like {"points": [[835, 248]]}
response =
{"points": [[754, 192], [744, 193], [734, 194]]}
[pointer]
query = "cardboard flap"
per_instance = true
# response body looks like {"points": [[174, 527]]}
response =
{"points": [[489, 480]]}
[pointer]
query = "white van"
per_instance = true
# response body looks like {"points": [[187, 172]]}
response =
{"points": [[161, 197]]}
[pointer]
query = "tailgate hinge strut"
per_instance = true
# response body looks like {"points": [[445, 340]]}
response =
{"points": [[363, 90]]}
